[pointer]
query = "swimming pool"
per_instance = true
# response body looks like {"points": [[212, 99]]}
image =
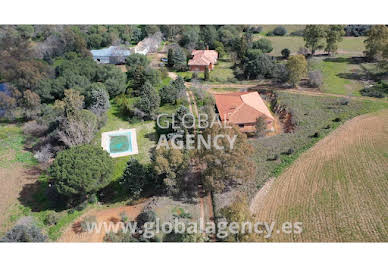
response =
{"points": [[120, 143]]}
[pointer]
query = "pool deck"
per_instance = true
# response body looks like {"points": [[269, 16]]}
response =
{"points": [[105, 142]]}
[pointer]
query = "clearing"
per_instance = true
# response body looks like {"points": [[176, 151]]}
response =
{"points": [[337, 189]]}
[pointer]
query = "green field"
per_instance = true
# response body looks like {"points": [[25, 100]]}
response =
{"points": [[337, 75], [289, 28], [349, 45]]}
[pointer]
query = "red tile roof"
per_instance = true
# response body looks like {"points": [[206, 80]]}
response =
{"points": [[241, 107], [203, 57]]}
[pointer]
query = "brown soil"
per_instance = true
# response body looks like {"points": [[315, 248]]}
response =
{"points": [[337, 189], [73, 234], [12, 181]]}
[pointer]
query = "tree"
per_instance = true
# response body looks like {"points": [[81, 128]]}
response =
{"points": [[177, 58], [31, 104], [18, 65], [135, 60], [376, 42], [225, 167], [98, 101], [78, 129], [190, 37], [315, 79], [149, 101], [116, 84], [206, 73], [9, 102], [170, 165], [333, 35], [313, 35], [285, 53], [239, 212], [76, 125], [280, 73], [257, 65], [81, 171], [297, 68], [261, 127], [175, 90], [264, 45], [134, 178]]}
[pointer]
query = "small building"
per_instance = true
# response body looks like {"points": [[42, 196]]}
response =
{"points": [[243, 109], [111, 55], [202, 59]]}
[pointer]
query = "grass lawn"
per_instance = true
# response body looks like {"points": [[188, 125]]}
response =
{"points": [[289, 28], [336, 75], [349, 45], [221, 73], [145, 133]]}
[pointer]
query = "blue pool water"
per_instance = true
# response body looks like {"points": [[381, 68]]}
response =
{"points": [[120, 143]]}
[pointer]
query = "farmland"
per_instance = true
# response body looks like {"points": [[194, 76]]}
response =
{"points": [[338, 188], [311, 114]]}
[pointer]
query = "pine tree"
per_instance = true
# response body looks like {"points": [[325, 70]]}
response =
{"points": [[149, 101]]}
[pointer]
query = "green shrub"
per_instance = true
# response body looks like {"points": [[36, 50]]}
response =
{"points": [[280, 31], [51, 218]]}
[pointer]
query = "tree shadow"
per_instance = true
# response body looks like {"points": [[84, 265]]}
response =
{"points": [[353, 76], [350, 60], [40, 196]]}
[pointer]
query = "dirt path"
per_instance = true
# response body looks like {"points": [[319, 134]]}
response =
{"points": [[71, 234], [16, 183], [257, 202], [337, 189]]}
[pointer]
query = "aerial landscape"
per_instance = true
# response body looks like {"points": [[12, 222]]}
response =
{"points": [[193, 133]]}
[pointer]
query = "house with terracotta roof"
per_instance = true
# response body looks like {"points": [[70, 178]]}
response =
{"points": [[202, 59], [243, 109]]}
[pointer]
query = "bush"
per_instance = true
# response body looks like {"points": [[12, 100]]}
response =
{"points": [[34, 129], [124, 217], [285, 53], [24, 233], [280, 72], [255, 29], [98, 101], [264, 45], [88, 223], [81, 170], [144, 217], [356, 30], [134, 178], [303, 51], [45, 154], [315, 79], [280, 31], [298, 33], [344, 101], [51, 218]]}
